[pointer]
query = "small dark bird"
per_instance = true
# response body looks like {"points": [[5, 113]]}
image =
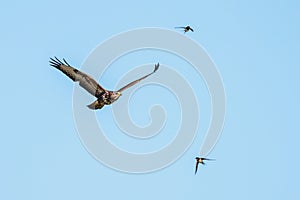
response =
{"points": [[104, 97], [200, 160], [185, 28]]}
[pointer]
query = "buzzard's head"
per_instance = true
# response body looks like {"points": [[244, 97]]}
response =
{"points": [[115, 96]]}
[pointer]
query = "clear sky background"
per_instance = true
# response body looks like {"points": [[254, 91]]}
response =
{"points": [[255, 46]]}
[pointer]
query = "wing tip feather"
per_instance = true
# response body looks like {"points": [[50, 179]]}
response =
{"points": [[156, 66], [55, 62]]}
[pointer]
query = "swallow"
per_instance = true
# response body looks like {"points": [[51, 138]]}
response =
{"points": [[201, 160], [185, 28]]}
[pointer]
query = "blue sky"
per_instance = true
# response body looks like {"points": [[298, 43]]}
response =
{"points": [[254, 45]]}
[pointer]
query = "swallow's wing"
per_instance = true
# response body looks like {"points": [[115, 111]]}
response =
{"points": [[192, 29], [196, 169], [208, 159], [85, 81], [138, 80], [179, 27]]}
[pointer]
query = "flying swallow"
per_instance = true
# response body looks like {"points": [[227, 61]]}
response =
{"points": [[200, 160], [104, 97], [185, 28]]}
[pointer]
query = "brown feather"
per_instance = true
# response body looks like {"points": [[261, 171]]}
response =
{"points": [[85, 81], [138, 80], [96, 105]]}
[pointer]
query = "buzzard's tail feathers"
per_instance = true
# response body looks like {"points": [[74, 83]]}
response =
{"points": [[96, 105]]}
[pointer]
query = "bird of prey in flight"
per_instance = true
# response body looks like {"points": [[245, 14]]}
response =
{"points": [[186, 28], [104, 97], [200, 160]]}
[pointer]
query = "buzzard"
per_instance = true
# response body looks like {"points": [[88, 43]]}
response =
{"points": [[200, 160], [104, 97], [185, 28]]}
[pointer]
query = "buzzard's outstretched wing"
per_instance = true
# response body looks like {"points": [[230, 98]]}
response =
{"points": [[85, 81], [138, 80]]}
